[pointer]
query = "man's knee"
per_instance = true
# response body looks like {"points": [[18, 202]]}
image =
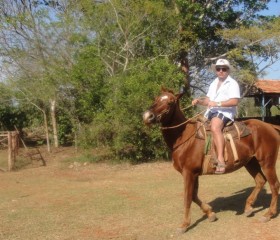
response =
{"points": [[216, 126]]}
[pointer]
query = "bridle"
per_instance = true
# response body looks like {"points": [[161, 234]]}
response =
{"points": [[165, 112]]}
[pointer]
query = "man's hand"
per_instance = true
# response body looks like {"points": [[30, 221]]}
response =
{"points": [[201, 101], [195, 101]]}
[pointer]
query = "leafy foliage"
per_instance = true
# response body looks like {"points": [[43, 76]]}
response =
{"points": [[120, 123], [11, 117], [102, 62]]}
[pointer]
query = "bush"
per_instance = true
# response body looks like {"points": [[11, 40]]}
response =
{"points": [[120, 124]]}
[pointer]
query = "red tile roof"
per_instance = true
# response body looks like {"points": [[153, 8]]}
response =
{"points": [[268, 86]]}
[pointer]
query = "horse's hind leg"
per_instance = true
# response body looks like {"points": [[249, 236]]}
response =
{"points": [[254, 168], [206, 208], [270, 173]]}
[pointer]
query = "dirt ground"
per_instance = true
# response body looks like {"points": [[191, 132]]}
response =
{"points": [[72, 200]]}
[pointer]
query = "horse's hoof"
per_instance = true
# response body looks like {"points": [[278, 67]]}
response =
{"points": [[249, 213], [181, 230], [212, 217], [264, 219]]}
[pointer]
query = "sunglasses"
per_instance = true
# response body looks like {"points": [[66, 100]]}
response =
{"points": [[218, 69]]}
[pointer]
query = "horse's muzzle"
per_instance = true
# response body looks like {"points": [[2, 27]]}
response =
{"points": [[148, 117]]}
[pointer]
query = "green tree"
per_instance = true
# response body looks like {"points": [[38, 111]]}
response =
{"points": [[257, 48], [38, 52], [95, 65], [132, 48], [214, 29]]}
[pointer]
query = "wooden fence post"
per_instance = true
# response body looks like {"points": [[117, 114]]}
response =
{"points": [[10, 152], [12, 149]]}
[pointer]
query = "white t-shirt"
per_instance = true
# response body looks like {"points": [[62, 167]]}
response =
{"points": [[229, 89]]}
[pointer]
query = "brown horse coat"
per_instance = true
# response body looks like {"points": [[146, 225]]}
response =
{"points": [[257, 152]]}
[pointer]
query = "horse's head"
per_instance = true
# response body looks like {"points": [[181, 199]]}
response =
{"points": [[162, 108]]}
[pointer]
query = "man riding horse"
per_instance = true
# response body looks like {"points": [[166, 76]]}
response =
{"points": [[222, 98]]}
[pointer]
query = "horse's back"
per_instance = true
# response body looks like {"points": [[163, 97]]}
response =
{"points": [[265, 137], [259, 126]]}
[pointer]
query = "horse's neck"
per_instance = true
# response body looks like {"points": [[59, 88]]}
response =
{"points": [[177, 118], [176, 130]]}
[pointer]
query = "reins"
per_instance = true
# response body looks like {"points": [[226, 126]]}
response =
{"points": [[188, 120]]}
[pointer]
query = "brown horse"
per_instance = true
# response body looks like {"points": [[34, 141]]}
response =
{"points": [[257, 152]]}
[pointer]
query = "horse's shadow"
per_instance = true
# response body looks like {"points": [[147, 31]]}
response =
{"points": [[236, 203]]}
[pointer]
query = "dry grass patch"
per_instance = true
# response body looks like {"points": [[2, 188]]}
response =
{"points": [[101, 201]]}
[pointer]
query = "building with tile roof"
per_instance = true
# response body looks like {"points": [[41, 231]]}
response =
{"points": [[268, 87], [266, 94]]}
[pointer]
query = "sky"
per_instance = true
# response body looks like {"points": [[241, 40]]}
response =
{"points": [[273, 72]]}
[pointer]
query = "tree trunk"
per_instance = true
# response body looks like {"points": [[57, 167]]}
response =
{"points": [[45, 125], [47, 131], [54, 124]]}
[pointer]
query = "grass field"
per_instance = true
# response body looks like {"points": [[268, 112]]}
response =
{"points": [[66, 200]]}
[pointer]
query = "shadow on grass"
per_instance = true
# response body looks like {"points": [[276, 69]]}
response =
{"points": [[236, 203]]}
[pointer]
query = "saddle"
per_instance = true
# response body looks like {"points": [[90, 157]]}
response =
{"points": [[236, 129], [232, 132]]}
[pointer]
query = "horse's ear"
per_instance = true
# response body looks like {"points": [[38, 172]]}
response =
{"points": [[164, 89]]}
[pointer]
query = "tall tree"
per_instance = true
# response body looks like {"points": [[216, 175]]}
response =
{"points": [[203, 41], [127, 30], [257, 47], [37, 49]]}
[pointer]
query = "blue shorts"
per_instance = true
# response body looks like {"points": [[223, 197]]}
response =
{"points": [[218, 115]]}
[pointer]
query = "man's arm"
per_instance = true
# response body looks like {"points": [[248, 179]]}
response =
{"points": [[229, 103], [204, 101]]}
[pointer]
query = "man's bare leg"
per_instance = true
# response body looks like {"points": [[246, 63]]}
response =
{"points": [[216, 127]]}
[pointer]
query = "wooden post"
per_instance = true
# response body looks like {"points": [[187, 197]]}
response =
{"points": [[12, 150], [14, 147], [12, 142]]}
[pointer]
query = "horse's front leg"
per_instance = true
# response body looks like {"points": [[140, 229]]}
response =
{"points": [[189, 182], [206, 208]]}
